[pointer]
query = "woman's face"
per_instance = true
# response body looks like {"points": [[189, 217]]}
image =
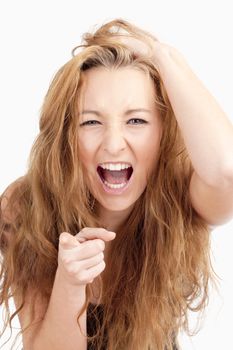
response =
{"points": [[119, 134]]}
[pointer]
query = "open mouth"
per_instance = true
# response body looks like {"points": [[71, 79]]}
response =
{"points": [[115, 178]]}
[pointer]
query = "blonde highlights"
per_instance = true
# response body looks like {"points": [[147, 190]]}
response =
{"points": [[160, 263]]}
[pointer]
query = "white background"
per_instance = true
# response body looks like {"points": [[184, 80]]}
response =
{"points": [[37, 38]]}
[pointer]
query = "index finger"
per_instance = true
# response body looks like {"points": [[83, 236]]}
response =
{"points": [[93, 233]]}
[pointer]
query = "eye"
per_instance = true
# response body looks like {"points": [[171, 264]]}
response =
{"points": [[137, 121], [90, 122]]}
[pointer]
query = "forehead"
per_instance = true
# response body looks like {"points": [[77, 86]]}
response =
{"points": [[117, 87]]}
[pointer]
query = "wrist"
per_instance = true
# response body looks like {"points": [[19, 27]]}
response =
{"points": [[69, 288]]}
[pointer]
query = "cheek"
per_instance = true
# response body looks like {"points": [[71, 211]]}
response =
{"points": [[148, 148], [148, 156], [86, 151]]}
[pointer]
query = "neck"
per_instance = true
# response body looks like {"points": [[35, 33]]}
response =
{"points": [[112, 220]]}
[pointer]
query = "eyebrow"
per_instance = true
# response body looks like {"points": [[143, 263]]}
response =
{"points": [[129, 111]]}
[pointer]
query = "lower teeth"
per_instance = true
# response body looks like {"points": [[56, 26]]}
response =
{"points": [[114, 185]]}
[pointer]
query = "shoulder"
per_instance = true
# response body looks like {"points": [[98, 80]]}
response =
{"points": [[31, 313], [32, 306], [11, 189], [9, 208]]}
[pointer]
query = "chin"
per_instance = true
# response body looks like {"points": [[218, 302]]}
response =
{"points": [[117, 205]]}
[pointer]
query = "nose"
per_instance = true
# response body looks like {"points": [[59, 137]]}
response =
{"points": [[114, 140]]}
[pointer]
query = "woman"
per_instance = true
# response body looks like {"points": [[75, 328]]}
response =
{"points": [[107, 235]]}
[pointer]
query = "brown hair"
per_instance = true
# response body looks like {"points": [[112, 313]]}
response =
{"points": [[160, 261]]}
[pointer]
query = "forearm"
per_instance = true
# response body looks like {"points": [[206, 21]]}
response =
{"points": [[207, 132], [59, 329]]}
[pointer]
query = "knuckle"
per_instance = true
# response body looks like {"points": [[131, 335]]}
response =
{"points": [[66, 260], [91, 246], [62, 236], [103, 264], [71, 270], [98, 258], [82, 276], [101, 244], [63, 233]]}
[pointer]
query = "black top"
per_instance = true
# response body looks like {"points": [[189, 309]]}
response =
{"points": [[91, 325]]}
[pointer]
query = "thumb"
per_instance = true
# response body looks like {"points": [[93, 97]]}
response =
{"points": [[67, 241]]}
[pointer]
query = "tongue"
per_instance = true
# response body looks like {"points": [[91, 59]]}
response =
{"points": [[115, 177]]}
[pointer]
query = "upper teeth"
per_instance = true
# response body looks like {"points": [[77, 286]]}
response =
{"points": [[118, 166]]}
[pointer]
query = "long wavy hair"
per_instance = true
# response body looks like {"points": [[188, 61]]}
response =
{"points": [[160, 259]]}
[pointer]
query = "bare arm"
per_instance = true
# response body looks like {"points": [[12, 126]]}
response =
{"points": [[78, 265], [208, 135], [207, 131], [59, 329]]}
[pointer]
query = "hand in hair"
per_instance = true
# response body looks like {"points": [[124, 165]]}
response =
{"points": [[80, 257], [148, 45]]}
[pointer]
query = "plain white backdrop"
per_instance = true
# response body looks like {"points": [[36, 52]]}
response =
{"points": [[37, 38]]}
